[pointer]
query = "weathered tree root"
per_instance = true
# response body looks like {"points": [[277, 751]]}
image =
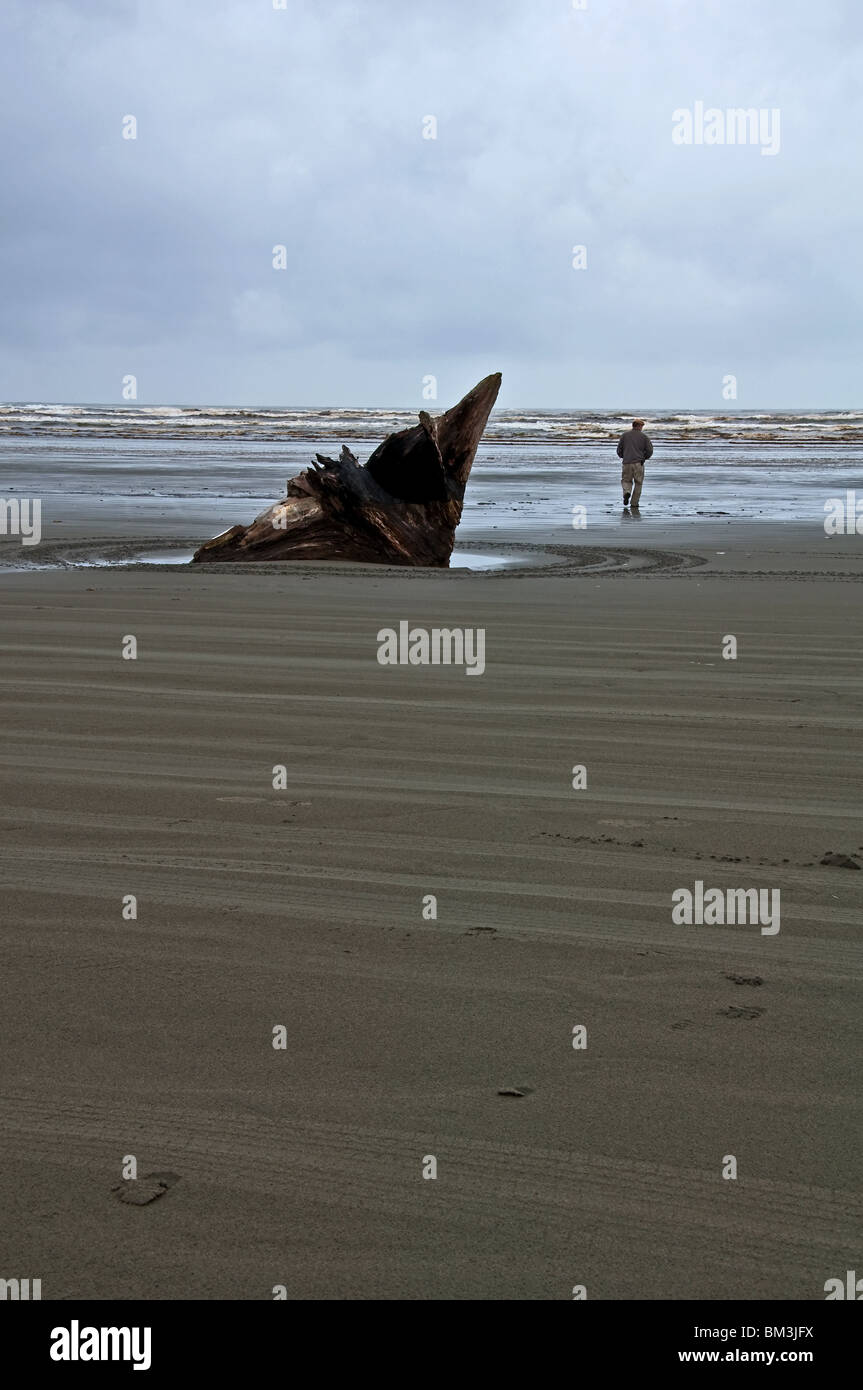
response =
{"points": [[401, 508]]}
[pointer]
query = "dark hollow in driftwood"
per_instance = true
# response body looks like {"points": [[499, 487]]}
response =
{"points": [[401, 508]]}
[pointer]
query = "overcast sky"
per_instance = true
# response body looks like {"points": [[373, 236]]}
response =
{"points": [[409, 257]]}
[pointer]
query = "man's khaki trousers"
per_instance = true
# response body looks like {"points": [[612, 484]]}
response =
{"points": [[632, 477]]}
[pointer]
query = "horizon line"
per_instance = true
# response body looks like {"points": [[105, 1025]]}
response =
{"points": [[215, 405]]}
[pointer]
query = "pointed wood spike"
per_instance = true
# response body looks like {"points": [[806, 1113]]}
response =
{"points": [[460, 429]]}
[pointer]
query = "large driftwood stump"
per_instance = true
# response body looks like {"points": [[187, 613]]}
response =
{"points": [[401, 508]]}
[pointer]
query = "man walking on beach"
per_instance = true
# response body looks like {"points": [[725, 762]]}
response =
{"points": [[634, 448]]}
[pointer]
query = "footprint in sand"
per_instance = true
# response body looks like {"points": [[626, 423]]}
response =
{"points": [[839, 861], [733, 1011], [140, 1192], [745, 979]]}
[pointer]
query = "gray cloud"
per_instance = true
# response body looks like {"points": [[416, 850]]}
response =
{"points": [[406, 256]]}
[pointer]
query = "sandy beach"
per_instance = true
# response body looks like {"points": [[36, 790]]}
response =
{"points": [[303, 907], [430, 866]]}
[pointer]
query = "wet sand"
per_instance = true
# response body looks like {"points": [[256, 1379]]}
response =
{"points": [[303, 907]]}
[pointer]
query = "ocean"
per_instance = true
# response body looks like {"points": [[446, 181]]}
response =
{"points": [[164, 466], [177, 422]]}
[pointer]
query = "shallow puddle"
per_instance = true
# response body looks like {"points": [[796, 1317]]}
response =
{"points": [[461, 559], [126, 557], [473, 560]]}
